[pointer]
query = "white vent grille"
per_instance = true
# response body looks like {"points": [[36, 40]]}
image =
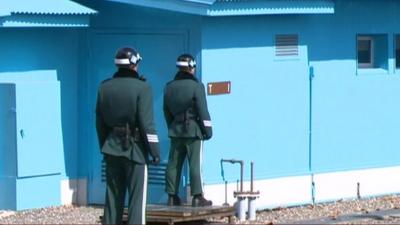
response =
{"points": [[286, 45], [156, 174]]}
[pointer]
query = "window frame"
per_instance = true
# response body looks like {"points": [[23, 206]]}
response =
{"points": [[396, 46], [372, 52]]}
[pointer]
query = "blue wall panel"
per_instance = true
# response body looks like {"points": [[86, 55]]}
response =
{"points": [[265, 119], [8, 140], [352, 115], [8, 157], [355, 120], [38, 192], [8, 193], [49, 49], [31, 148]]}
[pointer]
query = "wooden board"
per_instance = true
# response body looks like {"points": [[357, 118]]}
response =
{"points": [[173, 214]]}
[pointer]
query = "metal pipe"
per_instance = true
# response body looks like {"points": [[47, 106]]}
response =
{"points": [[251, 210], [241, 176], [241, 169], [251, 177], [241, 210], [226, 194]]}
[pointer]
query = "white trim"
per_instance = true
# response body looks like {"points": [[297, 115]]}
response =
{"points": [[73, 191], [287, 191], [191, 63], [134, 59], [342, 185], [277, 192], [144, 200], [122, 61], [152, 137], [207, 123], [201, 166]]}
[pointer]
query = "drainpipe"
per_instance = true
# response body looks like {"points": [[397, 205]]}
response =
{"points": [[240, 195], [252, 196]]}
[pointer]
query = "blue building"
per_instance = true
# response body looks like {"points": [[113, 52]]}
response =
{"points": [[312, 99]]}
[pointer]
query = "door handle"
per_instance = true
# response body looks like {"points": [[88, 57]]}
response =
{"points": [[22, 133]]}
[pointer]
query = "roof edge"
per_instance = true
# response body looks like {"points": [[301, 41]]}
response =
{"points": [[271, 7], [43, 7], [238, 7], [198, 7]]}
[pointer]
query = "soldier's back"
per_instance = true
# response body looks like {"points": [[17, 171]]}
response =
{"points": [[119, 99], [179, 95]]}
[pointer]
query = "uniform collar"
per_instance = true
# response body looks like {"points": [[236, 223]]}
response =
{"points": [[123, 72], [182, 75]]}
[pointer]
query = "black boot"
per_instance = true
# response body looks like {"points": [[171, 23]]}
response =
{"points": [[174, 200], [200, 201]]}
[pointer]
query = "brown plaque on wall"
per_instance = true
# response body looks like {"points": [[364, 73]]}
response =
{"points": [[218, 88]]}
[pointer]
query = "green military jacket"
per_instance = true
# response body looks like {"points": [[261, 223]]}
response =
{"points": [[126, 99], [185, 108]]}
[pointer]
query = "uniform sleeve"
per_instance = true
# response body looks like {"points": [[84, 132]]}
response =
{"points": [[101, 127], [204, 115], [167, 114], [146, 122]]}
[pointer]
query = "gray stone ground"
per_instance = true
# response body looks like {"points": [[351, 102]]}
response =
{"points": [[379, 210]]}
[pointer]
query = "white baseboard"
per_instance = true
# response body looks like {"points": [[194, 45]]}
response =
{"points": [[277, 192], [285, 191], [288, 191], [74, 191], [343, 185]]}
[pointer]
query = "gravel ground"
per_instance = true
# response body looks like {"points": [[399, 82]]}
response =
{"points": [[53, 215], [334, 212]]}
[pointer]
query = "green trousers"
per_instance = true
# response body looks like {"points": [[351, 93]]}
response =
{"points": [[123, 174], [182, 148]]}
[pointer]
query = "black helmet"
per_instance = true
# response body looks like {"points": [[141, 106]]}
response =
{"points": [[186, 60], [127, 56]]}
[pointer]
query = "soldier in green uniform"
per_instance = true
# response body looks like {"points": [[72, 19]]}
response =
{"points": [[127, 135], [189, 123]]}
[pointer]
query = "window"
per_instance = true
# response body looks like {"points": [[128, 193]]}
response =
{"points": [[397, 51], [372, 51], [365, 52], [286, 45]]}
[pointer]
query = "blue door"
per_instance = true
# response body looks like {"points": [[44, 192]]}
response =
{"points": [[39, 133], [159, 52]]}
